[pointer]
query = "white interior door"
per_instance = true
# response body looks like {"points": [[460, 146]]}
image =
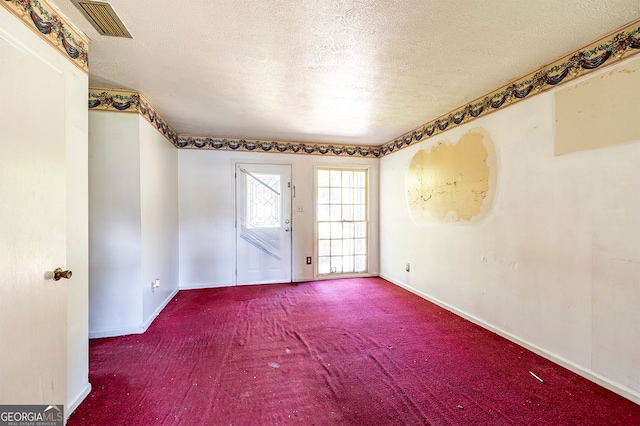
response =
{"points": [[263, 223], [33, 306]]}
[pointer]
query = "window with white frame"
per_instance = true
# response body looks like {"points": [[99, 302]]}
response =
{"points": [[341, 217]]}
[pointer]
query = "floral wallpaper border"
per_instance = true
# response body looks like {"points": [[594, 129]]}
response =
{"points": [[131, 102], [45, 21], [278, 147], [611, 49]]}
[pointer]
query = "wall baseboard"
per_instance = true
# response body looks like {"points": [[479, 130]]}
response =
{"points": [[606, 383], [114, 332], [339, 277], [205, 285], [295, 280], [302, 280], [73, 404], [153, 316]]}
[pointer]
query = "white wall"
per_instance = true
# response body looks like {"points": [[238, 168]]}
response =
{"points": [[115, 262], [555, 265], [159, 219], [206, 203], [133, 222]]}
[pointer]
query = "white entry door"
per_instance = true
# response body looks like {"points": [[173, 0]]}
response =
{"points": [[33, 306], [263, 223]]}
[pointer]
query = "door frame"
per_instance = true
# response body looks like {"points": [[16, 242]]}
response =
{"points": [[234, 202]]}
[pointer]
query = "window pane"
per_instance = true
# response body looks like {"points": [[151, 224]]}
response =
{"points": [[335, 213], [323, 195], [347, 212], [347, 178], [335, 178], [323, 212], [347, 246], [336, 264], [336, 247], [347, 264], [324, 248], [341, 202], [347, 196], [323, 177], [336, 195], [348, 229], [324, 265], [336, 230], [263, 204], [324, 230]]}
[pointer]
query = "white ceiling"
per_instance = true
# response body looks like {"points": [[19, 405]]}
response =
{"points": [[332, 71]]}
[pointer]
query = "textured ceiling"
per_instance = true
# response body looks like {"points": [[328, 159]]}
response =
{"points": [[332, 71]]}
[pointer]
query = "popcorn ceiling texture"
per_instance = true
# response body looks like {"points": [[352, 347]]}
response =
{"points": [[357, 72]]}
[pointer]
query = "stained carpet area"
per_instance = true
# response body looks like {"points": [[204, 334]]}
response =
{"points": [[348, 352]]}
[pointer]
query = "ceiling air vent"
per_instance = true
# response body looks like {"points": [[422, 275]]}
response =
{"points": [[102, 16]]}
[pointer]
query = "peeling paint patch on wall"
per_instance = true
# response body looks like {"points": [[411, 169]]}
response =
{"points": [[601, 111], [452, 182]]}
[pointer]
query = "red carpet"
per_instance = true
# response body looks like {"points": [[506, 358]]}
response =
{"points": [[350, 352]]}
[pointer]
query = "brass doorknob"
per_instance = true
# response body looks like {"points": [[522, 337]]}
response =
{"points": [[59, 274]]}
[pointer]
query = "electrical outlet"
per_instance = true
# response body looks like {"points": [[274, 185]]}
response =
{"points": [[408, 267], [155, 284], [309, 260]]}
